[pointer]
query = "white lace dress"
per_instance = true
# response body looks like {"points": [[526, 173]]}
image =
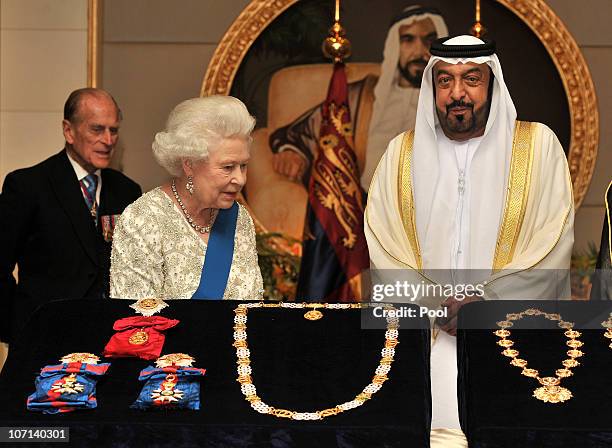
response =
{"points": [[157, 254]]}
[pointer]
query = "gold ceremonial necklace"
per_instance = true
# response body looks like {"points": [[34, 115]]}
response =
{"points": [[192, 223], [244, 360], [607, 324], [550, 390]]}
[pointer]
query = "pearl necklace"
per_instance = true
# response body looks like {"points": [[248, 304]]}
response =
{"points": [[244, 361], [196, 227], [551, 391]]}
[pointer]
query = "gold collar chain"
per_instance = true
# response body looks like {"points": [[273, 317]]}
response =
{"points": [[607, 324], [550, 390], [244, 361]]}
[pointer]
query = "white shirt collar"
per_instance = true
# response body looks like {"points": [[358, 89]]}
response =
{"points": [[80, 172]]}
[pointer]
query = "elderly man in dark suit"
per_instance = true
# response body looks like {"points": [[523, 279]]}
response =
{"points": [[56, 218]]}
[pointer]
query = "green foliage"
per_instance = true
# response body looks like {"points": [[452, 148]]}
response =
{"points": [[582, 269], [279, 261], [583, 262]]}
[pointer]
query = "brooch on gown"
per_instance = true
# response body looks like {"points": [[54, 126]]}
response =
{"points": [[148, 307], [171, 384]]}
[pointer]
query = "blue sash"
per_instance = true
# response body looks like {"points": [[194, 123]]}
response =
{"points": [[219, 254]]}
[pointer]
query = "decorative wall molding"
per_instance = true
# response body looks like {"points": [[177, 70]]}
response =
{"points": [[578, 84], [94, 39], [236, 42]]}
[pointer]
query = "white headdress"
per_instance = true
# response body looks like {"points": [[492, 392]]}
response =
{"points": [[490, 163], [389, 73], [379, 134]]}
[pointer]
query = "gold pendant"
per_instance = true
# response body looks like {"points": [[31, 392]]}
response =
{"points": [[177, 359], [70, 385], [167, 395], [138, 338], [87, 358], [148, 307], [552, 394], [313, 315]]}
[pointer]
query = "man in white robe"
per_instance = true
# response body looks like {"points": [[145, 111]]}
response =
{"points": [[470, 196]]}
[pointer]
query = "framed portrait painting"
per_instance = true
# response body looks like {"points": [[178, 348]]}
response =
{"points": [[271, 58]]}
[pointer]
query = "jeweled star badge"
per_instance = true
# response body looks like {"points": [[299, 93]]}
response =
{"points": [[68, 385], [148, 307], [171, 386], [167, 392], [177, 359], [87, 358]]}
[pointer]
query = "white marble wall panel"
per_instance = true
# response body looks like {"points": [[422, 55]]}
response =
{"points": [[40, 68], [587, 20], [201, 21], [148, 80], [44, 14], [43, 57], [27, 138]]}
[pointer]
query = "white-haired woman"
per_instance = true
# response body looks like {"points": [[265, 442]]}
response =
{"points": [[189, 238]]}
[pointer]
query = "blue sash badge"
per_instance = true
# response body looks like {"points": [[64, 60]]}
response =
{"points": [[68, 386], [171, 384]]}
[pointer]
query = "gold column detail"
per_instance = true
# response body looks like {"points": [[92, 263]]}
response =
{"points": [[94, 40], [478, 28]]}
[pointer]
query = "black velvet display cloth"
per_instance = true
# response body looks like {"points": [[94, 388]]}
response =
{"points": [[297, 364], [496, 406]]}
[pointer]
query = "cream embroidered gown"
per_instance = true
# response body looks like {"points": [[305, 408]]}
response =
{"points": [[156, 253]]}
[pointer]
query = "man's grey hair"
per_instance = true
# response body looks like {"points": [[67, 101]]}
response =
{"points": [[197, 126], [72, 106]]}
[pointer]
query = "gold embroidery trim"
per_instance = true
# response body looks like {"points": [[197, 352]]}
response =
{"points": [[405, 197], [517, 193]]}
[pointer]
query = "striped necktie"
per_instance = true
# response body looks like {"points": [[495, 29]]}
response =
{"points": [[89, 185]]}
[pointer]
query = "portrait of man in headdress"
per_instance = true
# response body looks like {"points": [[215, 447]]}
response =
{"points": [[386, 103], [382, 105]]}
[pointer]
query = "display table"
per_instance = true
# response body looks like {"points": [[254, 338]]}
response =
{"points": [[495, 401], [297, 364]]}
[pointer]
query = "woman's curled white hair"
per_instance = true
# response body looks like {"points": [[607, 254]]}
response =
{"points": [[196, 126]]}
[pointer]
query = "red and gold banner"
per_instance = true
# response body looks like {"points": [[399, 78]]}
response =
{"points": [[335, 252]]}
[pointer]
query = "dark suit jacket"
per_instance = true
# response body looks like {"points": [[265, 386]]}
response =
{"points": [[46, 228]]}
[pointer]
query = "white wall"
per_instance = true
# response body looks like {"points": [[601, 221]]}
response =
{"points": [[43, 57], [151, 65]]}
